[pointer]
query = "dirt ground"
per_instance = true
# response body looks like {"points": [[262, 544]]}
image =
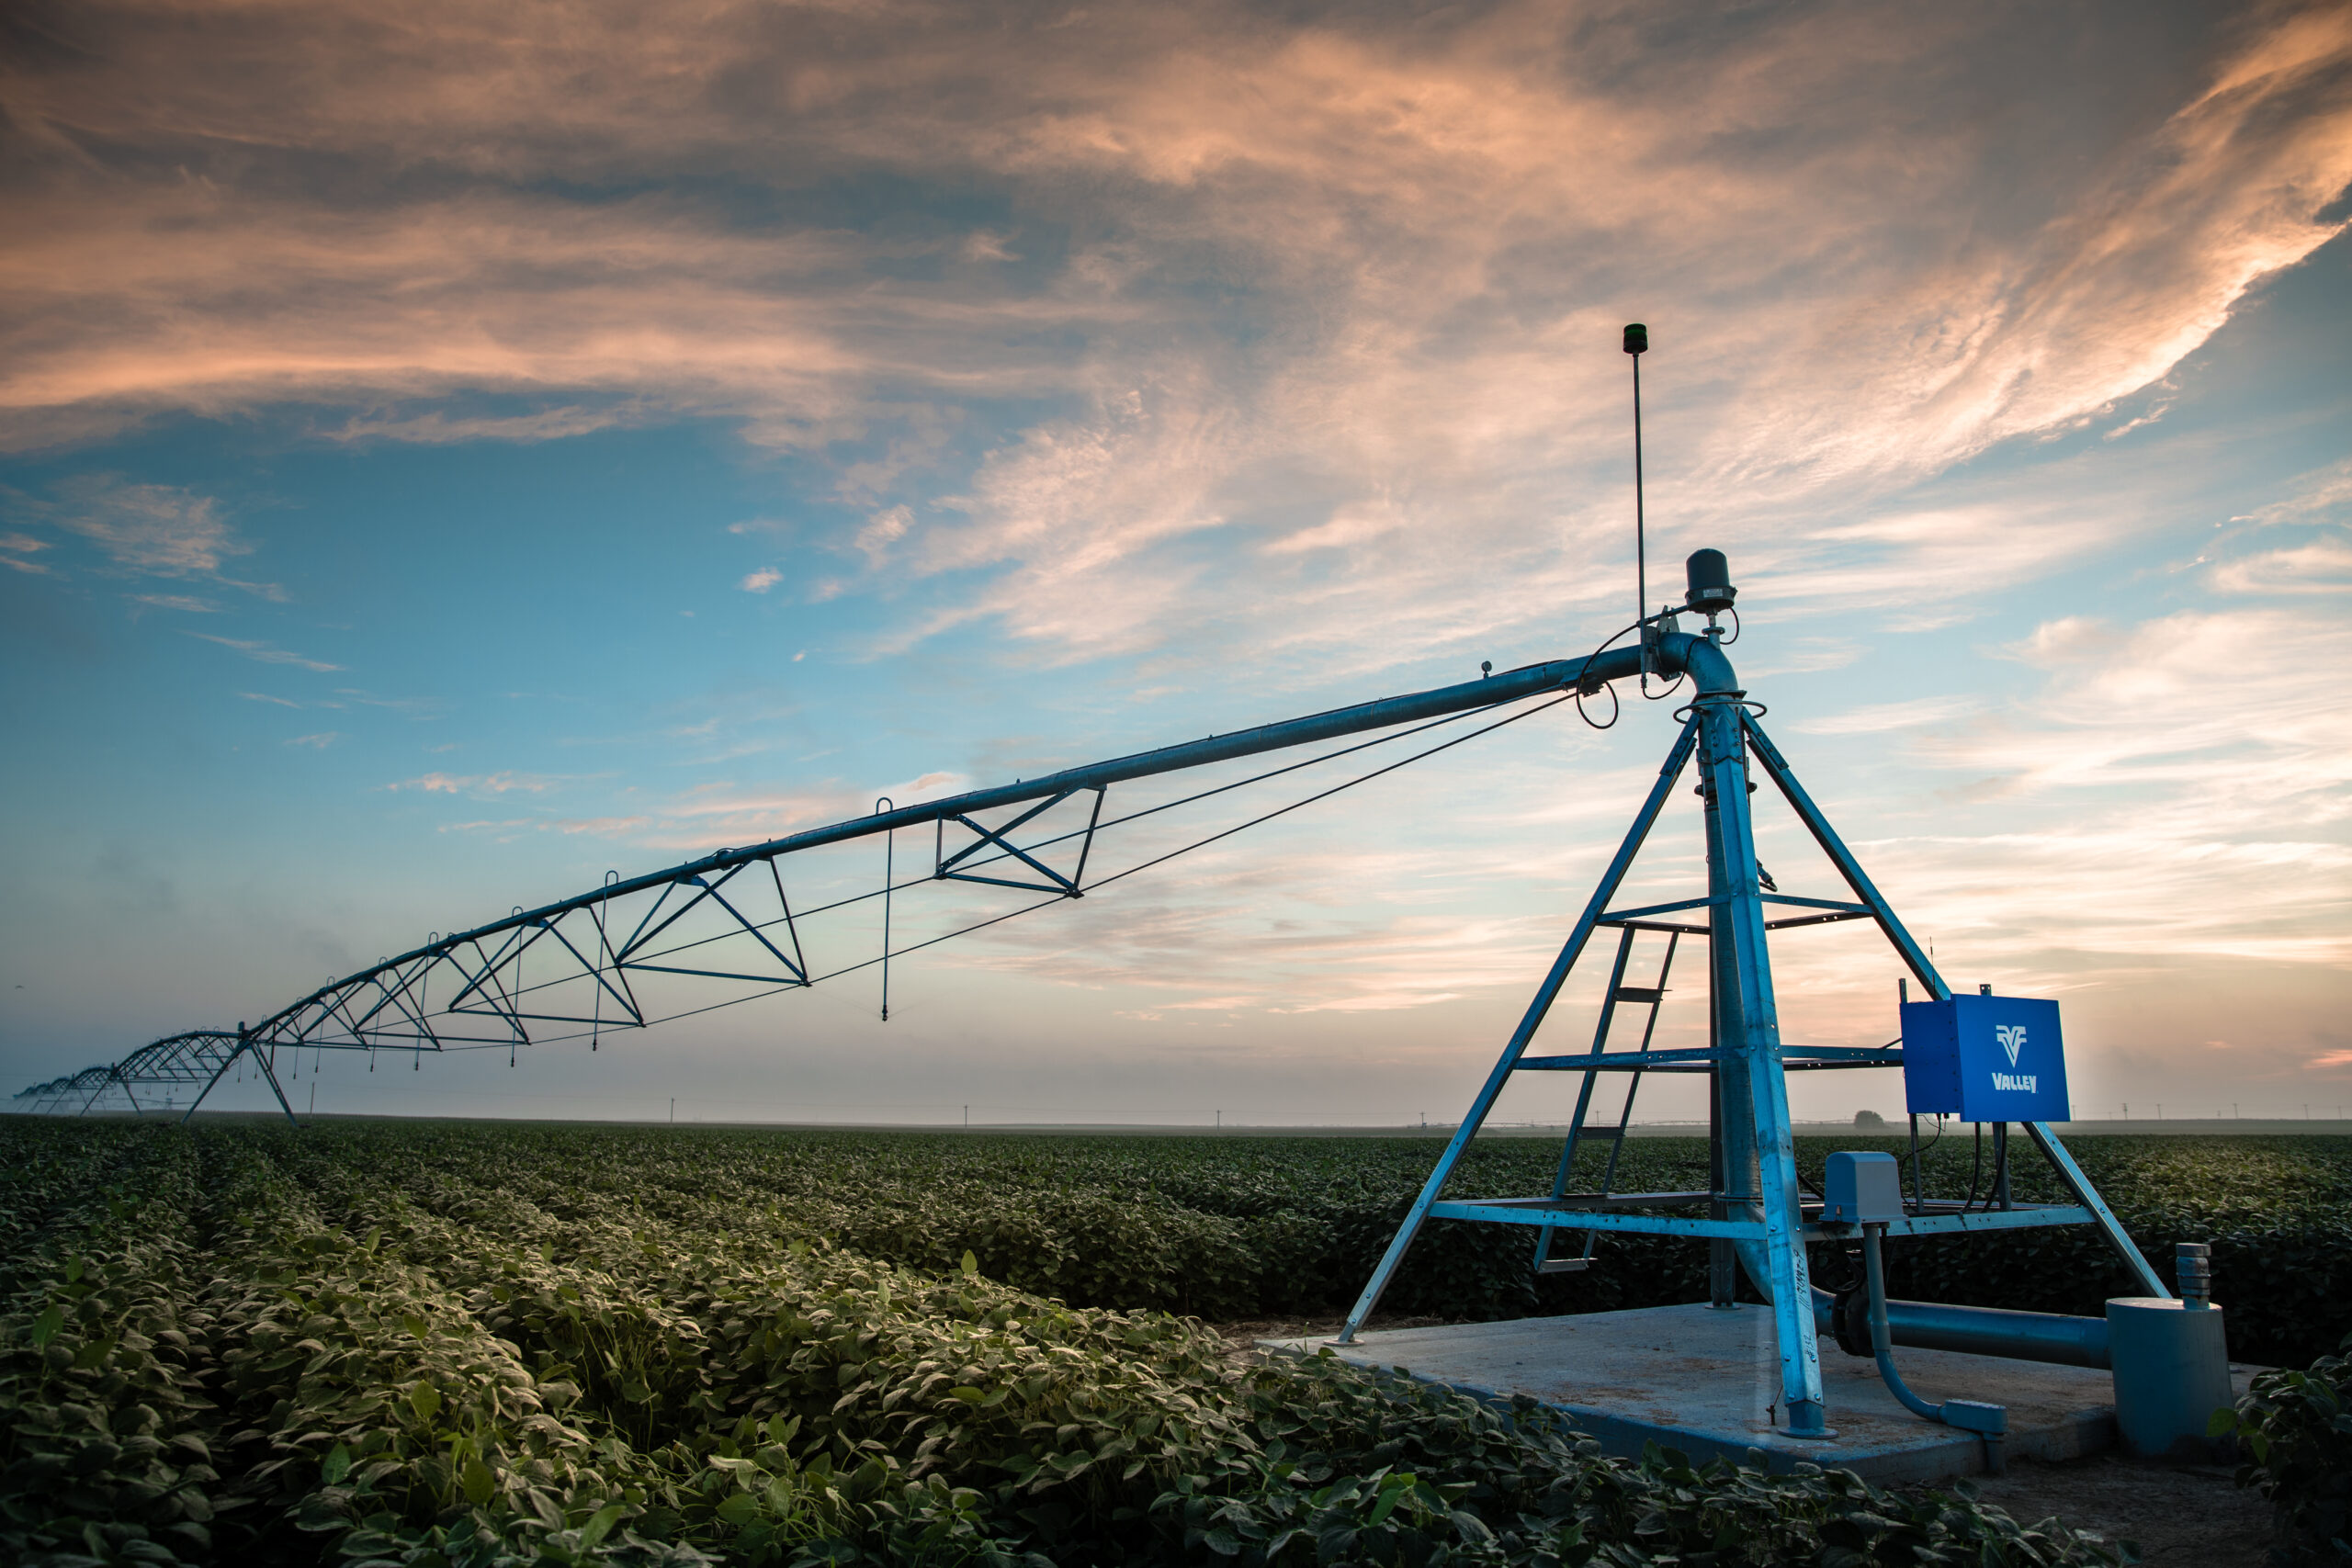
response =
{"points": [[2180, 1516]]}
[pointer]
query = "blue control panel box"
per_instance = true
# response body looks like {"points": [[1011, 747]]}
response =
{"points": [[1985, 1059]]}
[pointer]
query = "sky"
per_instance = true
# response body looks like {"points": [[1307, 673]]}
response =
{"points": [[447, 453]]}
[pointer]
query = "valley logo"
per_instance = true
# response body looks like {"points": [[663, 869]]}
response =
{"points": [[2012, 1039]]}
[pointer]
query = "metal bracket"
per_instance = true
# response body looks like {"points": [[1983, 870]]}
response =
{"points": [[943, 864]]}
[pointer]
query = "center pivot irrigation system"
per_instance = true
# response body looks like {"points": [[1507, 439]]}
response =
{"points": [[600, 963]]}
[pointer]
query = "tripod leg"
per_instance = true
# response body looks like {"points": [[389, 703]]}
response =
{"points": [[1574, 948]]}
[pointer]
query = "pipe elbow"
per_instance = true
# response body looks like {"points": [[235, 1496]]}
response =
{"points": [[1707, 665]]}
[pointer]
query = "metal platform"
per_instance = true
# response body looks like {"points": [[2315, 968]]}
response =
{"points": [[1707, 1381]]}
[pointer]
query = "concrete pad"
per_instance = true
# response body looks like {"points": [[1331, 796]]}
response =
{"points": [[1708, 1382]]}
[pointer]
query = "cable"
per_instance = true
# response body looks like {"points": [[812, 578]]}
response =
{"points": [[1056, 899], [1118, 821], [1114, 876], [1976, 1170], [1326, 795], [1261, 778], [884, 892]]}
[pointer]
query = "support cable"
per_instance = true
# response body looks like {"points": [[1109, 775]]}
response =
{"points": [[1058, 898], [914, 882]]}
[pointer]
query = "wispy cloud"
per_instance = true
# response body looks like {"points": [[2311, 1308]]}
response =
{"points": [[182, 601], [151, 530], [881, 531], [2326, 493], [438, 426], [2157, 796], [478, 784], [156, 529], [759, 582], [16, 550], [265, 653], [1879, 717], [2323, 566], [416, 707], [318, 742]]}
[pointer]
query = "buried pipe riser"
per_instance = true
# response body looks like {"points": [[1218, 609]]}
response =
{"points": [[2172, 1371]]}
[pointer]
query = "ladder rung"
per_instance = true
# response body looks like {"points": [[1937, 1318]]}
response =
{"points": [[1564, 1265], [1639, 993]]}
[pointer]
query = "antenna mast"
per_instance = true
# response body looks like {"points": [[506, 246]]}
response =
{"points": [[1637, 342]]}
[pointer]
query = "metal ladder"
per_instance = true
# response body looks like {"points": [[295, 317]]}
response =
{"points": [[1652, 996]]}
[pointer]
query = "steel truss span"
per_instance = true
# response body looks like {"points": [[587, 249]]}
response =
{"points": [[620, 956]]}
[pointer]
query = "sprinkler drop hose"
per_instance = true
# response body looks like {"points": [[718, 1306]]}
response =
{"points": [[1990, 1422]]}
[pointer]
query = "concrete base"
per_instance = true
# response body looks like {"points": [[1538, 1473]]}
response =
{"points": [[1708, 1382]]}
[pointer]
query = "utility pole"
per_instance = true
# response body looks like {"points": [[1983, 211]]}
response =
{"points": [[674, 1111]]}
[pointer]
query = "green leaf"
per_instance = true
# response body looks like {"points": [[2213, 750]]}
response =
{"points": [[593, 1533], [335, 1466], [425, 1400], [740, 1509], [74, 1268], [46, 1325], [971, 1265], [2224, 1422]]}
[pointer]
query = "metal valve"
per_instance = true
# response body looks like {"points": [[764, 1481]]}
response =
{"points": [[2193, 1271]]}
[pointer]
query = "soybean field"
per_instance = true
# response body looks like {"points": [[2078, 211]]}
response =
{"points": [[436, 1343]]}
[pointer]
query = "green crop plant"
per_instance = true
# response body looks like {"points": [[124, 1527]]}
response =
{"points": [[450, 1344]]}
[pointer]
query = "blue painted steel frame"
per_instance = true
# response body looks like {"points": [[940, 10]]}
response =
{"points": [[1757, 1153], [1567, 1215], [198, 1056], [1748, 1031]]}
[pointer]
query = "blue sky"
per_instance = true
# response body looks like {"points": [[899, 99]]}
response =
{"points": [[447, 456]]}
